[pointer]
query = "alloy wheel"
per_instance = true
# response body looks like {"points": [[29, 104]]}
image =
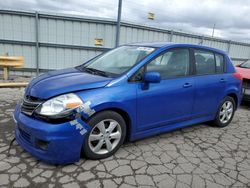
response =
{"points": [[104, 136], [226, 112]]}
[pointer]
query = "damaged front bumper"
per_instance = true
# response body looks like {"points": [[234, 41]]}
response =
{"points": [[52, 143]]}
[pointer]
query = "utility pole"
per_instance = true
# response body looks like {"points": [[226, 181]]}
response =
{"points": [[37, 42], [118, 24], [213, 31]]}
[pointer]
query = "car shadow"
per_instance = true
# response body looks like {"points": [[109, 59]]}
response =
{"points": [[245, 105]]}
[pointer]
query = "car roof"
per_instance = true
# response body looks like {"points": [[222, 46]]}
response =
{"points": [[172, 44]]}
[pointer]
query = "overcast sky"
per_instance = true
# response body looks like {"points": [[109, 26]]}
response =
{"points": [[231, 17]]}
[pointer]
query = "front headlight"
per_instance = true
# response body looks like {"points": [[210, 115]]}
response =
{"points": [[59, 106]]}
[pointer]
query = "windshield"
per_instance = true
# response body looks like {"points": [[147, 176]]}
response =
{"points": [[118, 60], [246, 64]]}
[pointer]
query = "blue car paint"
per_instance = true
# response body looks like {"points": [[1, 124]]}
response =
{"points": [[64, 81], [179, 106], [164, 94]]}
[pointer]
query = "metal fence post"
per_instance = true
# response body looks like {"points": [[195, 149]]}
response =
{"points": [[228, 46], [201, 41], [37, 42], [171, 36]]}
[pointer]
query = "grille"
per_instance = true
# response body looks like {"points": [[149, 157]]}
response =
{"points": [[25, 135], [29, 104], [246, 83]]}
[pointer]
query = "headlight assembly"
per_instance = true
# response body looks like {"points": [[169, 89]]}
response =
{"points": [[59, 106]]}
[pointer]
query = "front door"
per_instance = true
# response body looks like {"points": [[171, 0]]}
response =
{"points": [[171, 100]]}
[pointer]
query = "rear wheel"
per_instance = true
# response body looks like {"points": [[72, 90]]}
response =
{"points": [[107, 134], [225, 113]]}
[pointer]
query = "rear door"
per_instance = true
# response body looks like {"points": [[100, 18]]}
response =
{"points": [[210, 81]]}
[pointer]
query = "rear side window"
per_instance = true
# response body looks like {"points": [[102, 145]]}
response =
{"points": [[171, 64], [219, 63], [205, 62]]}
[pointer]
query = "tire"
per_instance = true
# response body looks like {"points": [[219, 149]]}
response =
{"points": [[222, 110], [104, 133]]}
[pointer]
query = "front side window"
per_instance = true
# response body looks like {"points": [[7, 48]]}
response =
{"points": [[205, 62], [119, 60], [172, 64]]}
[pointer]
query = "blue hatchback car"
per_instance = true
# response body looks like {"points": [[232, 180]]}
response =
{"points": [[131, 92]]}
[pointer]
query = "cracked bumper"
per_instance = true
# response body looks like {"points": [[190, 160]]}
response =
{"points": [[62, 142]]}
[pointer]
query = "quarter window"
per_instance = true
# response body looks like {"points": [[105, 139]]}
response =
{"points": [[219, 63], [171, 64], [205, 62]]}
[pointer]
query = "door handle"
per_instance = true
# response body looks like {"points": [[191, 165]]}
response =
{"points": [[222, 80], [186, 85]]}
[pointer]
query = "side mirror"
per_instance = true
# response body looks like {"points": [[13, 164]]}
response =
{"points": [[152, 77]]}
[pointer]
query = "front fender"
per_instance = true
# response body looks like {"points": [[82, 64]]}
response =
{"points": [[118, 98]]}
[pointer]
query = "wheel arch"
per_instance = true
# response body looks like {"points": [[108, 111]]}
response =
{"points": [[235, 97], [235, 93]]}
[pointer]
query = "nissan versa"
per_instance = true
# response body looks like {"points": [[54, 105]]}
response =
{"points": [[131, 92]]}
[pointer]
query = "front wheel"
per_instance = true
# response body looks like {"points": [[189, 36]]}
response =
{"points": [[107, 134], [225, 113]]}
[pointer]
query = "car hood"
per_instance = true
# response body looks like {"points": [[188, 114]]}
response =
{"points": [[64, 81], [244, 72]]}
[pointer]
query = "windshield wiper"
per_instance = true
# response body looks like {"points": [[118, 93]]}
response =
{"points": [[95, 71]]}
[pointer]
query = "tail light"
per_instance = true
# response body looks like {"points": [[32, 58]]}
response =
{"points": [[238, 76]]}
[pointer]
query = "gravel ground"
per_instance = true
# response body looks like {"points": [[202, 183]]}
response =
{"points": [[198, 156]]}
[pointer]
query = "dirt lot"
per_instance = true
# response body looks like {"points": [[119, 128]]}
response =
{"points": [[198, 156]]}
